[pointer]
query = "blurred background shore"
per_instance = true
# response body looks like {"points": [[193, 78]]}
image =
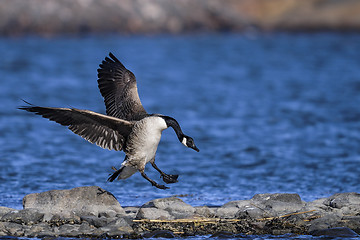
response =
{"points": [[52, 17]]}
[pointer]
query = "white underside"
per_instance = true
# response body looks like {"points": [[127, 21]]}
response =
{"points": [[143, 142]]}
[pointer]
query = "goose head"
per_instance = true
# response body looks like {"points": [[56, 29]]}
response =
{"points": [[189, 142]]}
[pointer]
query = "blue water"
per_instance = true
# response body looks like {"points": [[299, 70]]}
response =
{"points": [[269, 113]]}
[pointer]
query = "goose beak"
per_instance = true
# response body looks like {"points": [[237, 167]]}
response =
{"points": [[195, 148]]}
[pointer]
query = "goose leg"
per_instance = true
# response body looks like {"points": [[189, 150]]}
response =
{"points": [[152, 181], [167, 178]]}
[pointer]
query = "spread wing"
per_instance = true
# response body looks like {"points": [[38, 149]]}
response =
{"points": [[105, 131], [119, 90]]}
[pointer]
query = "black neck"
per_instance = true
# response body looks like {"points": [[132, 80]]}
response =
{"points": [[171, 122]]}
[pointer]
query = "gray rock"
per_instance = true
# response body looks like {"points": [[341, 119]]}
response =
{"points": [[352, 222], [121, 224], [174, 206], [5, 210], [205, 211], [222, 235], [115, 229], [131, 212], [262, 206], [47, 217], [77, 201], [26, 216], [12, 229], [336, 232], [339, 204], [328, 220], [113, 233], [69, 230], [153, 213], [238, 204], [86, 228], [317, 205], [97, 221], [340, 200], [39, 230], [159, 234], [277, 204], [108, 214], [58, 220], [253, 213], [227, 212], [279, 197], [348, 203], [232, 209]]}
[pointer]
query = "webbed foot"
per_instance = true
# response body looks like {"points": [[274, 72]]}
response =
{"points": [[168, 178], [159, 186]]}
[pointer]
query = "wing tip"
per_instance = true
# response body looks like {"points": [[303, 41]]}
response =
{"points": [[109, 62], [112, 56], [27, 107], [27, 102]]}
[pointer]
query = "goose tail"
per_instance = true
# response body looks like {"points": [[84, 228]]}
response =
{"points": [[122, 173]]}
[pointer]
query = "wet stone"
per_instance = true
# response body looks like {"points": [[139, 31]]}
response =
{"points": [[317, 205], [58, 220], [328, 220], [97, 221], [237, 204], [108, 214], [74, 202], [86, 228], [26, 216], [342, 232], [39, 230], [279, 197], [69, 230], [153, 213], [174, 206], [131, 211], [159, 234], [227, 212], [118, 227], [352, 222], [232, 209], [222, 234], [262, 206], [251, 213], [5, 210], [12, 229], [278, 203], [345, 203], [204, 211], [340, 200]]}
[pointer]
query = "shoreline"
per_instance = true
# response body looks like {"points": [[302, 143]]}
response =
{"points": [[94, 212], [18, 17]]}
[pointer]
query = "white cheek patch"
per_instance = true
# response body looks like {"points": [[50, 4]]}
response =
{"points": [[184, 142]]}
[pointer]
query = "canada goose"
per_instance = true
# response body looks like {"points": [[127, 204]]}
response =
{"points": [[127, 126]]}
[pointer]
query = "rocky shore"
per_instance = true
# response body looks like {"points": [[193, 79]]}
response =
{"points": [[50, 17], [95, 213]]}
